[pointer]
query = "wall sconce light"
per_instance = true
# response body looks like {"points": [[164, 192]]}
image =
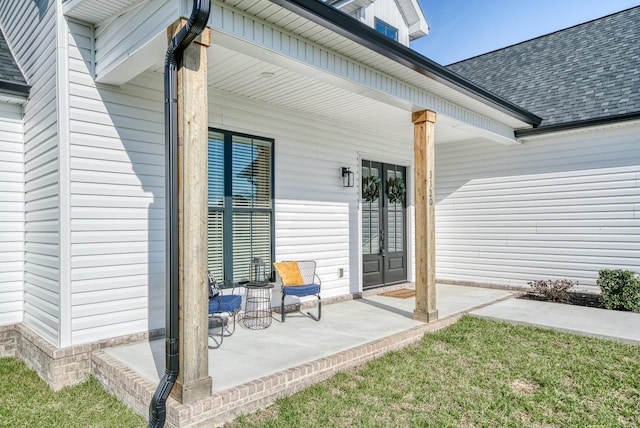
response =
{"points": [[347, 177]]}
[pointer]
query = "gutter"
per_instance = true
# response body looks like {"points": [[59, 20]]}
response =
{"points": [[568, 126], [345, 25], [196, 24]]}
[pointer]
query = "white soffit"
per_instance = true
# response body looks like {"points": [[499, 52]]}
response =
{"points": [[251, 78], [276, 15], [95, 11]]}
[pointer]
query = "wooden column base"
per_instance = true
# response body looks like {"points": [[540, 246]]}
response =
{"points": [[425, 316], [194, 391]]}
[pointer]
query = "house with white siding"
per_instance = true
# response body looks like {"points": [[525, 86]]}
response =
{"points": [[564, 202], [295, 94]]}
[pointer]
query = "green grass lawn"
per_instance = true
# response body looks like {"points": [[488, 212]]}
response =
{"points": [[476, 373], [26, 401]]}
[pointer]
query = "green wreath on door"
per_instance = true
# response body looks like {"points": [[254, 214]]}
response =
{"points": [[396, 190], [370, 188]]}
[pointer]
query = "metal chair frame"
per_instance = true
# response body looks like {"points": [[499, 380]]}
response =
{"points": [[308, 272], [222, 315]]}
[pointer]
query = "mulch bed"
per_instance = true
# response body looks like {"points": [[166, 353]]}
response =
{"points": [[579, 299]]}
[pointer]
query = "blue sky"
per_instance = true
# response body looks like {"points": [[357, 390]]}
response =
{"points": [[460, 29]]}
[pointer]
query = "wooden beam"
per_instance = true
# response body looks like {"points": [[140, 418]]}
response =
{"points": [[193, 382], [425, 245]]}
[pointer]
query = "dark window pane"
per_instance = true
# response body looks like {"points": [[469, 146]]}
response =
{"points": [[251, 173], [240, 169]]}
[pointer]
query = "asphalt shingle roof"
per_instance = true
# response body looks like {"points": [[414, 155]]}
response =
{"points": [[11, 78], [589, 71]]}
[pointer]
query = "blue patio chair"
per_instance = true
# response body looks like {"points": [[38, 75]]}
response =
{"points": [[309, 284], [221, 308]]}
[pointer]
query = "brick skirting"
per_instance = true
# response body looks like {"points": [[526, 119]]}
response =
{"points": [[58, 367], [221, 407]]}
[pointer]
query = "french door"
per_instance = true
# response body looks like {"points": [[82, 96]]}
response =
{"points": [[384, 230]]}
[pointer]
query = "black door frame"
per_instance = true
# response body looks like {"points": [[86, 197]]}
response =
{"points": [[384, 267]]}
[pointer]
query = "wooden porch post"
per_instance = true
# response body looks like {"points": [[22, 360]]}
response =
{"points": [[193, 382], [424, 178]]}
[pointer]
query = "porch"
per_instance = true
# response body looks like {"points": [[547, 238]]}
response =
{"points": [[255, 367]]}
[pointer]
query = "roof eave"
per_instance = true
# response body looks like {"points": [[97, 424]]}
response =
{"points": [[358, 32], [17, 90], [568, 126]]}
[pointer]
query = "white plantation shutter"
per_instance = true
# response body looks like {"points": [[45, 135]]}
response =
{"points": [[251, 238], [215, 244], [215, 193]]}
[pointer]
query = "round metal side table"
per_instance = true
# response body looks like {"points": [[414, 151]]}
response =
{"points": [[257, 306]]}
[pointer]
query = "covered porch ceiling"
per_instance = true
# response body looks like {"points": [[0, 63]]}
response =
{"points": [[239, 74], [380, 96]]}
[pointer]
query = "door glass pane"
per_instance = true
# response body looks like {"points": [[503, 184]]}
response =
{"points": [[371, 204], [395, 213]]}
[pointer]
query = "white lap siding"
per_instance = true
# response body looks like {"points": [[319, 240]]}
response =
{"points": [[315, 217], [11, 214], [117, 200], [31, 32], [554, 207]]}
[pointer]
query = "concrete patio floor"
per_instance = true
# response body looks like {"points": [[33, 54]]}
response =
{"points": [[252, 354], [253, 368]]}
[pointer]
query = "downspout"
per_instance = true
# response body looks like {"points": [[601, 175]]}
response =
{"points": [[196, 24]]}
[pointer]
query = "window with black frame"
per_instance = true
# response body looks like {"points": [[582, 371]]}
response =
{"points": [[240, 203]]}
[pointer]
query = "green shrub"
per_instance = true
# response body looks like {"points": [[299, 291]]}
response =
{"points": [[553, 291], [620, 289]]}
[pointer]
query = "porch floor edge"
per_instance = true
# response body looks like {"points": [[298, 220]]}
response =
{"points": [[136, 392]]}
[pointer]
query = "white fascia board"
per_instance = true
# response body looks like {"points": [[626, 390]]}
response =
{"points": [[577, 131], [11, 99], [350, 6], [414, 17]]}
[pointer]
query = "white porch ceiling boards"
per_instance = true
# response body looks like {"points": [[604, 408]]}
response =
{"points": [[328, 74], [307, 30], [95, 11], [238, 74], [349, 66]]}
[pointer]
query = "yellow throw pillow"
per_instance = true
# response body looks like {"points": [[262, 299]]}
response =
{"points": [[289, 273]]}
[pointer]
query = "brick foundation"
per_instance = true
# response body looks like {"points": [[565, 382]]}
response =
{"points": [[58, 367], [68, 366], [8, 341], [224, 406]]}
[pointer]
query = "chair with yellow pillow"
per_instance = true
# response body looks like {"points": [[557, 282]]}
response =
{"points": [[298, 278]]}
